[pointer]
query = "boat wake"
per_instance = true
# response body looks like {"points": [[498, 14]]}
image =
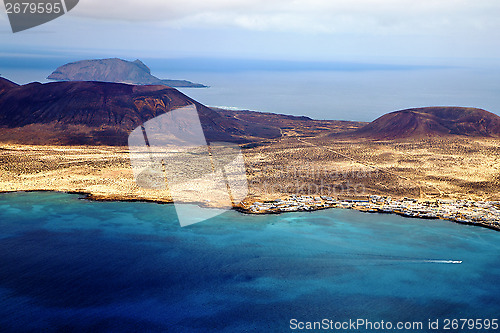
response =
{"points": [[431, 261], [444, 261]]}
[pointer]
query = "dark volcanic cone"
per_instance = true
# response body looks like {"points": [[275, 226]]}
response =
{"points": [[431, 122]]}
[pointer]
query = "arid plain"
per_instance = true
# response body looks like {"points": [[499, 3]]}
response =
{"points": [[305, 160]]}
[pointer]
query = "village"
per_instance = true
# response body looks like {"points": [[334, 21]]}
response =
{"points": [[482, 213]]}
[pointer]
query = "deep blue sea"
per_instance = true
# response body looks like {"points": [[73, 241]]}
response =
{"points": [[72, 265], [360, 95]]}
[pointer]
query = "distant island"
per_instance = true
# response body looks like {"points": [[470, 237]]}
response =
{"points": [[115, 70]]}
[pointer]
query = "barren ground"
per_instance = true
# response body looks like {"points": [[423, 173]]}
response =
{"points": [[300, 162]]}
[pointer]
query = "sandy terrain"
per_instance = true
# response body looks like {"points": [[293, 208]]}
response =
{"points": [[103, 172], [452, 168]]}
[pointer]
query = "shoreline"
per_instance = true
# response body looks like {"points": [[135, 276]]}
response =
{"points": [[467, 212], [358, 205]]}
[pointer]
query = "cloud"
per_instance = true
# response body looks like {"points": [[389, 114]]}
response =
{"points": [[307, 16]]}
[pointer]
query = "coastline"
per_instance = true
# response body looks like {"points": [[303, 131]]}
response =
{"points": [[372, 205], [468, 212]]}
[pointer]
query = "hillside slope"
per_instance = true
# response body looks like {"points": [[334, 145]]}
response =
{"points": [[95, 113], [432, 121]]}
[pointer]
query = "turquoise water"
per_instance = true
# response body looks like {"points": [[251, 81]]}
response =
{"points": [[73, 265]]}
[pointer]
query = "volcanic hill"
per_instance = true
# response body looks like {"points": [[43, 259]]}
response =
{"points": [[102, 113], [431, 122]]}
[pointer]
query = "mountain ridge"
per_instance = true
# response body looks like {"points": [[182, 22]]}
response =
{"points": [[96, 113], [6, 84]]}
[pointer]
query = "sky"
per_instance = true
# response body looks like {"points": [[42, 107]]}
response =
{"points": [[303, 30]]}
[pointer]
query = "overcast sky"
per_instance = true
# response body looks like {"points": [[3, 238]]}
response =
{"points": [[268, 29]]}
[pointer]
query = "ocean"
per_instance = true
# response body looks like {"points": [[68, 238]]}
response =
{"points": [[72, 265], [338, 91], [349, 95]]}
